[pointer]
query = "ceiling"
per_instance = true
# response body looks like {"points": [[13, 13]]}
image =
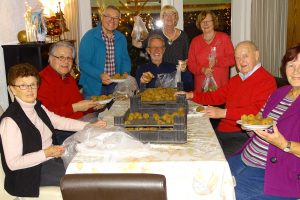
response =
{"points": [[94, 3], [154, 7]]}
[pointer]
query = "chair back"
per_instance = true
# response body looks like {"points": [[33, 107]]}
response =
{"points": [[113, 187]]}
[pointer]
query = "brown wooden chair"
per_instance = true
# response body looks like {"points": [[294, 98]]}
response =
{"points": [[113, 187]]}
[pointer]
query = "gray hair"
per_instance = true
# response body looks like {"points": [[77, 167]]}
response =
{"points": [[155, 36], [112, 8], [67, 44], [251, 44]]}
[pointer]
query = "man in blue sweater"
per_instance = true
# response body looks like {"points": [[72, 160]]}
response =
{"points": [[103, 53], [148, 73]]}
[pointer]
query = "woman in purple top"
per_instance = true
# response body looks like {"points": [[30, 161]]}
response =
{"points": [[268, 166]]}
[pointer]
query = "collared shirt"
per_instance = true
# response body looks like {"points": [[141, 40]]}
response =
{"points": [[244, 77], [110, 54]]}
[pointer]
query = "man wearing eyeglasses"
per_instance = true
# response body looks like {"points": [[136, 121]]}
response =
{"points": [[103, 53], [58, 90], [148, 73]]}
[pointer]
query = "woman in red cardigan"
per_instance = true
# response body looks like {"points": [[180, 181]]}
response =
{"points": [[200, 48]]}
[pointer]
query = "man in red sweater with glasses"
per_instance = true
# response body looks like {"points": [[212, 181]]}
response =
{"points": [[245, 93]]}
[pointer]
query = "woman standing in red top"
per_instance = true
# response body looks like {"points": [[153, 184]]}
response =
{"points": [[200, 48]]}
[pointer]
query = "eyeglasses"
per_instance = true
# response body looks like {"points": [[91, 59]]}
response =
{"points": [[62, 58], [26, 87], [108, 18], [206, 22]]}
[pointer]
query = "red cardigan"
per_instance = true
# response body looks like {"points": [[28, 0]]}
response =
{"points": [[198, 58], [59, 94], [240, 97]]}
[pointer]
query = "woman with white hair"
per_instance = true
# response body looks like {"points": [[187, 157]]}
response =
{"points": [[176, 40]]}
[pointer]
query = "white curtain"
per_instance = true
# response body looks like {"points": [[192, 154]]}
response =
{"points": [[268, 31], [71, 15]]}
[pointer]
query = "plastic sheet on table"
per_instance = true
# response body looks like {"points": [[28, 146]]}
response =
{"points": [[94, 140]]}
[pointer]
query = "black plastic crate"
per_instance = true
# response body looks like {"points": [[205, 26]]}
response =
{"points": [[179, 86], [136, 104], [165, 133]]}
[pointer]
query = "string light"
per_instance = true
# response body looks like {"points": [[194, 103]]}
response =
{"points": [[152, 20]]}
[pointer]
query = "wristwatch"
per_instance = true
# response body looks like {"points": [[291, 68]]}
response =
{"points": [[288, 147]]}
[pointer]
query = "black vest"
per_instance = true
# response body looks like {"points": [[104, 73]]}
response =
{"points": [[24, 182]]}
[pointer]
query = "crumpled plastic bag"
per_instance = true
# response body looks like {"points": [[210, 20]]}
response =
{"points": [[209, 84], [94, 140], [166, 80], [126, 89], [139, 32]]}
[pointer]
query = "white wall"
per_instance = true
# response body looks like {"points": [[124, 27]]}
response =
{"points": [[85, 20], [11, 22], [240, 23]]}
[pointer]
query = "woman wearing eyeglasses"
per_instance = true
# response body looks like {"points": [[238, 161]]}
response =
{"points": [[58, 90], [176, 40], [200, 60], [28, 157]]}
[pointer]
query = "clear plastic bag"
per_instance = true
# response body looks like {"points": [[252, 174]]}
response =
{"points": [[139, 32], [126, 89], [209, 84], [166, 80], [94, 140]]}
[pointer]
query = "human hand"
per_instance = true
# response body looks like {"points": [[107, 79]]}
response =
{"points": [[182, 65], [215, 112], [99, 106], [105, 78], [188, 95], [55, 151], [99, 123], [276, 138], [83, 105], [136, 43], [146, 77], [207, 71]]}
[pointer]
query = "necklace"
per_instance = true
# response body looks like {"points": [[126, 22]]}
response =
{"points": [[170, 39]]}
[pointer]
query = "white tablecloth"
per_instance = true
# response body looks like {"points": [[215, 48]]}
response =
{"points": [[195, 170]]}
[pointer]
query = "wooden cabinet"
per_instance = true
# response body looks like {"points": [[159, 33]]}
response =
{"points": [[32, 53]]}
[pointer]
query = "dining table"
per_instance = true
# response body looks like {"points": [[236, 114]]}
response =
{"points": [[196, 169]]}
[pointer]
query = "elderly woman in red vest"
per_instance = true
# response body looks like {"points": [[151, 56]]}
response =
{"points": [[28, 157]]}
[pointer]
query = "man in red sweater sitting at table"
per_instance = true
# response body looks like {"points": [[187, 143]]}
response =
{"points": [[245, 93], [58, 91]]}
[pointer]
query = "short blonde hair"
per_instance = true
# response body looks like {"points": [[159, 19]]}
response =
{"points": [[169, 8], [202, 16]]}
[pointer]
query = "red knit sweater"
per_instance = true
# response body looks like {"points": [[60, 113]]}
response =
{"points": [[240, 97], [59, 94]]}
